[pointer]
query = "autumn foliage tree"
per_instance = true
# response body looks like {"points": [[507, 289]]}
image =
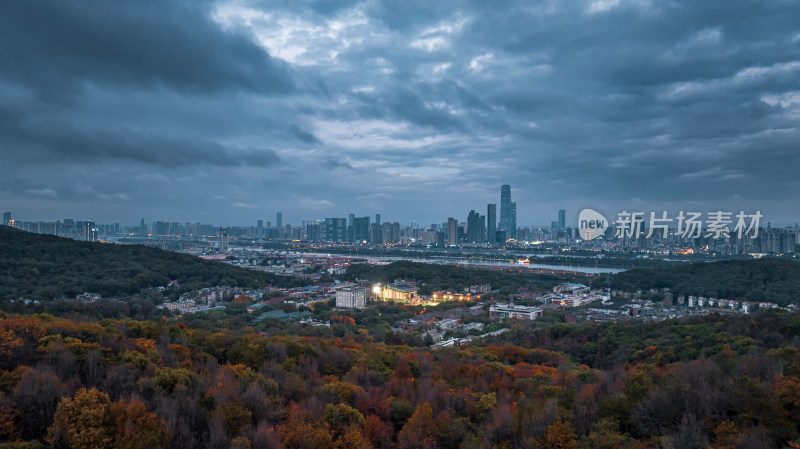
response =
{"points": [[419, 430], [83, 421]]}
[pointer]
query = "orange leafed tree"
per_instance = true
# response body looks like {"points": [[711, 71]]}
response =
{"points": [[418, 431], [135, 427]]}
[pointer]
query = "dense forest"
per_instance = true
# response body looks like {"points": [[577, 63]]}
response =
{"points": [[719, 382], [769, 279], [39, 266]]}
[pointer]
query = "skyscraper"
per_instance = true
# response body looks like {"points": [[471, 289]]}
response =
{"points": [[361, 229], [491, 223], [562, 219], [452, 231], [476, 227], [512, 221], [508, 212], [350, 219], [6, 218], [505, 206], [376, 234], [279, 220], [335, 230]]}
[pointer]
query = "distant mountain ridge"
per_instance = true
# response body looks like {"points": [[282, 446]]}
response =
{"points": [[38, 266], [769, 279]]}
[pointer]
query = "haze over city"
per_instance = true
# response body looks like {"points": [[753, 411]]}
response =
{"points": [[229, 111]]}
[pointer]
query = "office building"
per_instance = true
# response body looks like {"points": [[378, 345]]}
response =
{"points": [[476, 227], [6, 218], [279, 220], [562, 219], [491, 223], [350, 219], [508, 212], [361, 229], [335, 230], [313, 232], [376, 233], [391, 232], [452, 231], [512, 229]]}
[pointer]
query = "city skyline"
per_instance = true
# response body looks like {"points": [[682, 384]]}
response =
{"points": [[414, 110]]}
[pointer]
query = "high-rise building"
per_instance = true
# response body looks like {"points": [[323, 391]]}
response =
{"points": [[562, 219], [313, 232], [6, 218], [376, 234], [452, 231], [88, 230], [512, 222], [491, 223], [377, 218], [391, 232], [260, 228], [505, 208], [387, 232], [361, 229], [223, 240], [476, 227], [335, 230], [279, 220], [350, 219]]}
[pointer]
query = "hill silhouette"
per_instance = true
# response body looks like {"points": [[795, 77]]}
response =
{"points": [[769, 279], [40, 266]]}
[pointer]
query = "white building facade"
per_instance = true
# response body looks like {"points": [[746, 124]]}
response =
{"points": [[352, 297]]}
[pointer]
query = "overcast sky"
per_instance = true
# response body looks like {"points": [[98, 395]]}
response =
{"points": [[226, 112]]}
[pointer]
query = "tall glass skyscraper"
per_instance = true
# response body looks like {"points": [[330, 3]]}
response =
{"points": [[508, 212]]}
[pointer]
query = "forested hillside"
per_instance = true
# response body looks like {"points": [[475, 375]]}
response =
{"points": [[720, 382], [771, 279], [40, 266]]}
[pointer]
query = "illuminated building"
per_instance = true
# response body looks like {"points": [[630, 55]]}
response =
{"points": [[499, 311], [351, 298], [396, 292]]}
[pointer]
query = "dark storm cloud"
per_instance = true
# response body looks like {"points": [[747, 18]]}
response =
{"points": [[55, 47], [321, 108]]}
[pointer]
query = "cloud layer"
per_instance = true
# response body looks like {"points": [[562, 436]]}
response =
{"points": [[228, 111]]}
